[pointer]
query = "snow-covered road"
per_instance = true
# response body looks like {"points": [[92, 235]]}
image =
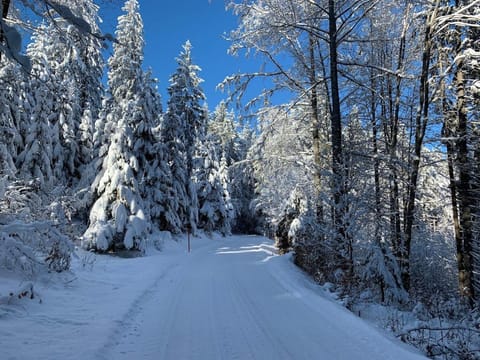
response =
{"points": [[230, 298], [233, 299]]}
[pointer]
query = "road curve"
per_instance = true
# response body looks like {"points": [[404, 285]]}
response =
{"points": [[234, 299]]}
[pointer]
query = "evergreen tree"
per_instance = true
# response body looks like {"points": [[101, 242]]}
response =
{"points": [[176, 205], [211, 179], [242, 185], [41, 157], [157, 178], [185, 121], [66, 90], [10, 138], [118, 216], [224, 224], [222, 128], [86, 69]]}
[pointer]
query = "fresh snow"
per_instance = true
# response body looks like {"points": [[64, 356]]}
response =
{"points": [[230, 298]]}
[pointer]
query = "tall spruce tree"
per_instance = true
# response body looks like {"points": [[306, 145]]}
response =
{"points": [[156, 186], [185, 121], [211, 179], [41, 157], [119, 216], [222, 128], [63, 96], [87, 70]]}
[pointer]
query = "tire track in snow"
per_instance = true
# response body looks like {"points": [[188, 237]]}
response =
{"points": [[258, 319], [127, 322], [127, 334], [235, 344]]}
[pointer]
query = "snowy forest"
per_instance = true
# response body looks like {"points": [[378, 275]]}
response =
{"points": [[369, 172]]}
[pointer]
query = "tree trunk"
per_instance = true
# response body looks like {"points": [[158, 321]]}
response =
{"points": [[395, 131], [449, 131], [376, 176], [392, 145], [376, 161], [336, 118], [456, 222], [343, 250], [315, 121], [464, 187], [421, 121], [463, 190]]}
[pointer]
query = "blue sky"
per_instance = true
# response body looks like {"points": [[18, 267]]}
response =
{"points": [[168, 24]]}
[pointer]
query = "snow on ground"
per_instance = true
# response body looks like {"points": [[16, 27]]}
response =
{"points": [[230, 298]]}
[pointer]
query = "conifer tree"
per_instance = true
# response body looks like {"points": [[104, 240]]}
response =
{"points": [[242, 184], [41, 156], [86, 71], [225, 222], [157, 179], [10, 139], [222, 128], [185, 121], [211, 179], [67, 91], [118, 216]]}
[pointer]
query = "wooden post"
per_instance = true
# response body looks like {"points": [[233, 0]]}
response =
{"points": [[189, 229]]}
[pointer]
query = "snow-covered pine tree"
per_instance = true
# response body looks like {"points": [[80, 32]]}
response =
{"points": [[41, 156], [100, 141], [72, 67], [157, 184], [242, 184], [224, 224], [9, 116], [298, 229], [56, 55], [103, 129], [214, 206], [222, 128], [118, 217], [184, 122], [82, 70], [177, 204]]}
